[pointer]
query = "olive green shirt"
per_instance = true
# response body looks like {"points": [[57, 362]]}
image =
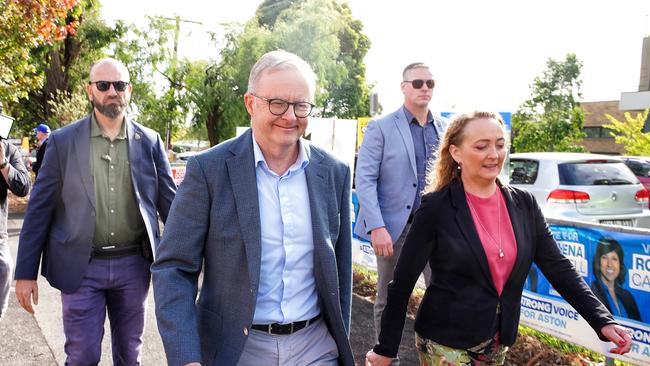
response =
{"points": [[118, 220]]}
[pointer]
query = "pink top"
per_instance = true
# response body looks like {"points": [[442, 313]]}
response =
{"points": [[488, 214]]}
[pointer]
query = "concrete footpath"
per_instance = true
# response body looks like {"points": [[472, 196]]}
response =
{"points": [[38, 339]]}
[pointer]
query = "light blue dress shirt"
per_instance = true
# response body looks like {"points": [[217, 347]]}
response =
{"points": [[287, 289]]}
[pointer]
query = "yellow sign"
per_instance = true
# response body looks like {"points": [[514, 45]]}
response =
{"points": [[361, 129]]}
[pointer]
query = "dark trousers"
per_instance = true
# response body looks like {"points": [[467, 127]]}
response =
{"points": [[118, 286]]}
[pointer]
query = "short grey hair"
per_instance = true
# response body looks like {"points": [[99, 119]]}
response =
{"points": [[415, 65], [118, 64], [281, 60]]}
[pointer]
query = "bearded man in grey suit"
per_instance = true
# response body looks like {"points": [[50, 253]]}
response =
{"points": [[92, 221], [267, 217]]}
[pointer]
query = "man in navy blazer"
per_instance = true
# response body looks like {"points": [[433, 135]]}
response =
{"points": [[92, 221], [390, 176], [266, 216]]}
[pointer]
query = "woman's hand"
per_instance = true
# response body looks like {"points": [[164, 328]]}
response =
{"points": [[373, 359], [621, 336]]}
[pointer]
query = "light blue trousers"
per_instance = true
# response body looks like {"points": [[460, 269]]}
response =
{"points": [[312, 345]]}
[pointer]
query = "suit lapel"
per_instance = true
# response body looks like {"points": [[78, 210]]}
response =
{"points": [[317, 175], [241, 172], [405, 132], [466, 225], [81, 147], [134, 142]]}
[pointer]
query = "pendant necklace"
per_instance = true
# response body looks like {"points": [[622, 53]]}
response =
{"points": [[499, 244]]}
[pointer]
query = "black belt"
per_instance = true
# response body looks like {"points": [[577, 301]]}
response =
{"points": [[116, 251], [282, 329]]}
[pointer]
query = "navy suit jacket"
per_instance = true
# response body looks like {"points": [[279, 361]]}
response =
{"points": [[60, 220], [214, 225]]}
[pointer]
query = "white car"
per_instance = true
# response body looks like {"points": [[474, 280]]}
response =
{"points": [[584, 187]]}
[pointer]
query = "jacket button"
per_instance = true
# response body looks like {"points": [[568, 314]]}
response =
{"points": [[245, 331], [408, 207], [415, 185]]}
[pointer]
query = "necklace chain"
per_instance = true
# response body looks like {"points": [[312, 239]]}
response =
{"points": [[499, 244]]}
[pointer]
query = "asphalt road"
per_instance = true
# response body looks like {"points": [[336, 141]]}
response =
{"points": [[38, 339]]}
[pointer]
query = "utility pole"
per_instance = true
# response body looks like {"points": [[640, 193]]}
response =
{"points": [[174, 81]]}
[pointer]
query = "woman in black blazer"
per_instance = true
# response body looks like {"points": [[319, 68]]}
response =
{"points": [[609, 271], [481, 238]]}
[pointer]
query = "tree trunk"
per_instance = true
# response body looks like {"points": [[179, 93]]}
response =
{"points": [[57, 74], [212, 124]]}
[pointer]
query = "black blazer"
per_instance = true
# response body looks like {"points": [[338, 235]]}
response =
{"points": [[459, 308], [40, 154]]}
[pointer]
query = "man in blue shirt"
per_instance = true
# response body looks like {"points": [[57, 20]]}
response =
{"points": [[390, 177], [267, 217]]}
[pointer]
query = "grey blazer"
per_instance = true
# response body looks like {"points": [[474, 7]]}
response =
{"points": [[386, 177], [214, 225], [60, 218]]}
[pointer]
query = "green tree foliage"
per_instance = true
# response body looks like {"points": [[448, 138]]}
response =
{"points": [[63, 65], [322, 32], [629, 133], [67, 107], [24, 26], [344, 91], [165, 89], [552, 119]]}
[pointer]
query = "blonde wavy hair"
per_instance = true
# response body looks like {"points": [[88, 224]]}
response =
{"points": [[444, 168]]}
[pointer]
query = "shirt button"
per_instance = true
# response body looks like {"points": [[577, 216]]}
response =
{"points": [[112, 166], [112, 189], [112, 234], [112, 211], [245, 331], [111, 146]]}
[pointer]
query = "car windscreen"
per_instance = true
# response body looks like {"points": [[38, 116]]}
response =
{"points": [[595, 174]]}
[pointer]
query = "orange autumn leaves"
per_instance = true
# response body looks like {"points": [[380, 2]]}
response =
{"points": [[52, 19]]}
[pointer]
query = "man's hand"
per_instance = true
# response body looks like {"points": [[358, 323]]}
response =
{"points": [[373, 359], [620, 336], [26, 290], [382, 244]]}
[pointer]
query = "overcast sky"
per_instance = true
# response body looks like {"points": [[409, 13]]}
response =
{"points": [[484, 54]]}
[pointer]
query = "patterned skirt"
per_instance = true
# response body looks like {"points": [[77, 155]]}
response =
{"points": [[488, 353]]}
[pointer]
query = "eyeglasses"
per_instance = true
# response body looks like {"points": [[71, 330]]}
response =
{"points": [[103, 86], [418, 83], [278, 107]]}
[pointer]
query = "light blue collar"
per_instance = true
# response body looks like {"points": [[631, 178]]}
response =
{"points": [[301, 162]]}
